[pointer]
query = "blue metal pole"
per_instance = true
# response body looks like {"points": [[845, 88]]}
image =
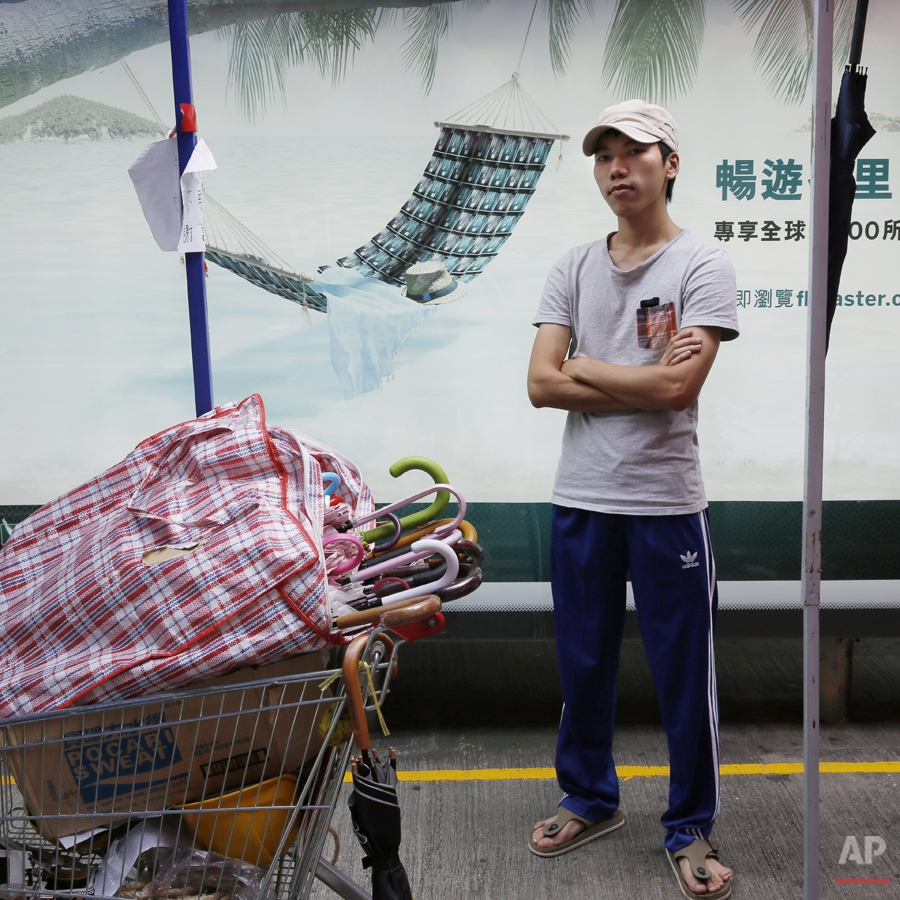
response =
{"points": [[194, 262]]}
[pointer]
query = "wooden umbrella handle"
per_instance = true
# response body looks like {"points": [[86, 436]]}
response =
{"points": [[376, 614], [353, 690], [415, 612]]}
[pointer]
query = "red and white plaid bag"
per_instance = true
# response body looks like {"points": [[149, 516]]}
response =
{"points": [[199, 553]]}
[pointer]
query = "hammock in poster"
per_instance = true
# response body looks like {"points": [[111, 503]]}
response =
{"points": [[472, 193], [470, 197], [233, 246]]}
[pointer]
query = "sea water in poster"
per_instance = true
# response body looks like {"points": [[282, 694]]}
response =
{"points": [[94, 346]]}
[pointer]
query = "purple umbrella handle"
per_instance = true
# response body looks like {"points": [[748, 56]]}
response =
{"points": [[398, 533]]}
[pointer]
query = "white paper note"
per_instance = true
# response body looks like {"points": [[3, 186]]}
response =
{"points": [[70, 840], [155, 177], [173, 207], [193, 237]]}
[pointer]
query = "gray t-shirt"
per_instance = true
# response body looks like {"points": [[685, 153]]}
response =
{"points": [[637, 462]]}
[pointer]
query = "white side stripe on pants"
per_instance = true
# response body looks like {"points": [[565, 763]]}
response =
{"points": [[712, 693]]}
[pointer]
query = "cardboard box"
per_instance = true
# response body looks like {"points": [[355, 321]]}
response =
{"points": [[86, 770]]}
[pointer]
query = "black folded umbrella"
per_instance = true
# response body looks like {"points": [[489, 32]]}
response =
{"points": [[375, 813], [850, 132], [374, 808]]}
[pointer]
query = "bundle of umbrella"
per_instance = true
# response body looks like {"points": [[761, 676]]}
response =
{"points": [[399, 571], [397, 574]]}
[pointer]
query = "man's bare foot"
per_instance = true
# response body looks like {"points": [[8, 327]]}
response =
{"points": [[573, 831], [719, 874], [572, 828]]}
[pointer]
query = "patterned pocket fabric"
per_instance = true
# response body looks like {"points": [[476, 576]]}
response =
{"points": [[656, 326]]}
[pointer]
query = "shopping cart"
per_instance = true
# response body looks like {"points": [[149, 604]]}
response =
{"points": [[222, 790]]}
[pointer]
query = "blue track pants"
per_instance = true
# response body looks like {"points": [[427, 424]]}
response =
{"points": [[670, 562]]}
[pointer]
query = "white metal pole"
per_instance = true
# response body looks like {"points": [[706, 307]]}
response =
{"points": [[823, 23]]}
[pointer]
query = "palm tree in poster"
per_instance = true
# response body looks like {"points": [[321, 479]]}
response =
{"points": [[263, 50], [43, 42], [652, 46]]}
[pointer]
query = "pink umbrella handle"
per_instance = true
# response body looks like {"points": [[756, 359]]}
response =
{"points": [[426, 548], [461, 514], [369, 572], [352, 563], [389, 581]]}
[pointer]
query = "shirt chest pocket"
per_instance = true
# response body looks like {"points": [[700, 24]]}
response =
{"points": [[656, 325]]}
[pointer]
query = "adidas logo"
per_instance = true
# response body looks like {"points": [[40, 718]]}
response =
{"points": [[690, 560]]}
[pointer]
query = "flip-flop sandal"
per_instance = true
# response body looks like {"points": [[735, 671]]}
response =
{"points": [[696, 853], [591, 831]]}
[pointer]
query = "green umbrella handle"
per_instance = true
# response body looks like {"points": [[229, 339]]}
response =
{"points": [[414, 520]]}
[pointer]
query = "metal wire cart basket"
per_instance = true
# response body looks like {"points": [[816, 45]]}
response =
{"points": [[224, 790]]}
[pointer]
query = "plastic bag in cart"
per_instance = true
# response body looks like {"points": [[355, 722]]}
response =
{"points": [[199, 553], [187, 871], [197, 872]]}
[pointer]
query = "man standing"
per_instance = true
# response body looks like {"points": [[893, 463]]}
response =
{"points": [[628, 329]]}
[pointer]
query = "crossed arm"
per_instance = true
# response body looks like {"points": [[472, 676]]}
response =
{"points": [[583, 384]]}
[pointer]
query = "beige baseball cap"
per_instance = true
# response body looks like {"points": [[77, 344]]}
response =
{"points": [[638, 119]]}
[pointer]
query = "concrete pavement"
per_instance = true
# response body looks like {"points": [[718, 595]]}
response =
{"points": [[458, 711]]}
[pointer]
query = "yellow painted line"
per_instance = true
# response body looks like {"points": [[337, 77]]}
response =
{"points": [[764, 769], [479, 775], [547, 773], [860, 767], [626, 772]]}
